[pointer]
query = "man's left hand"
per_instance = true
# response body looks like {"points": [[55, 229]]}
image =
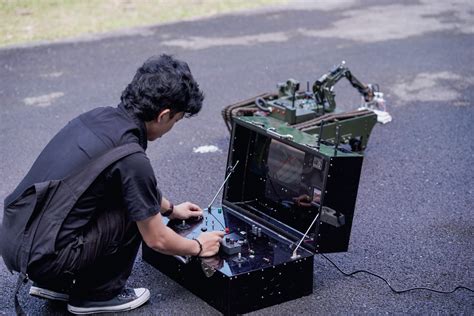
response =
{"points": [[186, 210]]}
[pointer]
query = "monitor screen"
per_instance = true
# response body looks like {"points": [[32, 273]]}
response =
{"points": [[284, 172], [278, 182]]}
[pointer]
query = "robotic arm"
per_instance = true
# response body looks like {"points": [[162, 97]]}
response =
{"points": [[323, 87]]}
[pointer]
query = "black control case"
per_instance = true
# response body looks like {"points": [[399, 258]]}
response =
{"points": [[287, 191]]}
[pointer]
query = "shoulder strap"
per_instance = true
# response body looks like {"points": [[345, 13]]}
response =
{"points": [[78, 182], [81, 180]]}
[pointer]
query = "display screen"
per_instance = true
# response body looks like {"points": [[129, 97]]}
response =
{"points": [[284, 172], [285, 184], [278, 182]]}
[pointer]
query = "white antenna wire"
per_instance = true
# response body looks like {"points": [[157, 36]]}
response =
{"points": [[227, 178], [294, 255]]}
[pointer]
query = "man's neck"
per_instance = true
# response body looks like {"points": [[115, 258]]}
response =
{"points": [[142, 135]]}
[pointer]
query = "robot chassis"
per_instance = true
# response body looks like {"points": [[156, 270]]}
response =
{"points": [[314, 112]]}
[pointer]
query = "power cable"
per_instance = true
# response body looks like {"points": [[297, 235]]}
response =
{"points": [[390, 286]]}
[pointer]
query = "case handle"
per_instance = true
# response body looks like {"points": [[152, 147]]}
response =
{"points": [[272, 131], [183, 259]]}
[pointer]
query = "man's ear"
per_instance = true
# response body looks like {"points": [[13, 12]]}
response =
{"points": [[163, 114]]}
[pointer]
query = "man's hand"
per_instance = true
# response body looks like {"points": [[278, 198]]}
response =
{"points": [[186, 210], [210, 242]]}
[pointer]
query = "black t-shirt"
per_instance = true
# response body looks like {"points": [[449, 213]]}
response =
{"points": [[129, 183]]}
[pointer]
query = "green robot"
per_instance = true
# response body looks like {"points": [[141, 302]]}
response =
{"points": [[314, 111]]}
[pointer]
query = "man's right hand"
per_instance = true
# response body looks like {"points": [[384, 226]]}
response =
{"points": [[210, 242]]}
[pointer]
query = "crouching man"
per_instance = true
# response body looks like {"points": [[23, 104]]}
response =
{"points": [[75, 222]]}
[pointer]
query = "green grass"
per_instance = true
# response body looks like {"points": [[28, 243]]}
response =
{"points": [[23, 21]]}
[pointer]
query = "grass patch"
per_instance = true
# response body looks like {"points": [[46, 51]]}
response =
{"points": [[25, 21]]}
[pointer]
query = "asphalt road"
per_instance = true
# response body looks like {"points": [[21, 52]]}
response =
{"points": [[414, 221]]}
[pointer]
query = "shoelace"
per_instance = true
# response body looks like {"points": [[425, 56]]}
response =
{"points": [[127, 293]]}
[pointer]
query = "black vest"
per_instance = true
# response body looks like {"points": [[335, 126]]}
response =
{"points": [[65, 168], [81, 140]]}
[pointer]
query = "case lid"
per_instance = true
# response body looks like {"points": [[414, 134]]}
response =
{"points": [[281, 180]]}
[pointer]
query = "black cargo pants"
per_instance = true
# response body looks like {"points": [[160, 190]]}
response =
{"points": [[96, 264]]}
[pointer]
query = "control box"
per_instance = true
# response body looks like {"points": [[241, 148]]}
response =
{"points": [[251, 271], [289, 197]]}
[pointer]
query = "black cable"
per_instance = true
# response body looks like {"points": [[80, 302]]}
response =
{"points": [[390, 286], [262, 105]]}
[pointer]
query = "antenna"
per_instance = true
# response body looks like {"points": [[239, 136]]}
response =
{"points": [[321, 126], [231, 170], [295, 255], [336, 141], [293, 99]]}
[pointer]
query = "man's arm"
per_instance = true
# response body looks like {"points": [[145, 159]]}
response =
{"points": [[165, 205], [181, 211], [161, 238]]}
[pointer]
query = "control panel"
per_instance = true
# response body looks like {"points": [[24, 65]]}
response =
{"points": [[246, 245]]}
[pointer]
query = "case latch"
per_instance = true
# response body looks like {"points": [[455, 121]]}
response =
{"points": [[331, 217]]}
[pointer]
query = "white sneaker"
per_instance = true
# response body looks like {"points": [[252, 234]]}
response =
{"points": [[40, 292], [127, 300]]}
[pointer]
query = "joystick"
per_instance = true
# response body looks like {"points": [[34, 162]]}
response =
{"points": [[230, 244], [183, 225], [239, 258]]}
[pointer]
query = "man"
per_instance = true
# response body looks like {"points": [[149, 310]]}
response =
{"points": [[98, 240]]}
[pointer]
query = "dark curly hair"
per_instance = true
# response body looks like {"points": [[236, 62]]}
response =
{"points": [[162, 82]]}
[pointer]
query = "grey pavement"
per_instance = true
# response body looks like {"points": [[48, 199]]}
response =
{"points": [[414, 215]]}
